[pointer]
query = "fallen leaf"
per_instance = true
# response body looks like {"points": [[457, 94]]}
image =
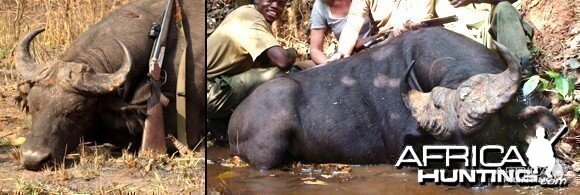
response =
{"points": [[234, 162], [4, 142], [327, 176], [226, 175], [566, 147], [307, 178], [317, 182], [576, 167], [17, 141], [573, 62]]}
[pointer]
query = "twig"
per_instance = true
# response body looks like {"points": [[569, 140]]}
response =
{"points": [[565, 109]]}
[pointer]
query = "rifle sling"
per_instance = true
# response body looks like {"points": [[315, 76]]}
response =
{"points": [[180, 98]]}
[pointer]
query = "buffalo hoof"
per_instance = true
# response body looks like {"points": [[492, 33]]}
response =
{"points": [[34, 160]]}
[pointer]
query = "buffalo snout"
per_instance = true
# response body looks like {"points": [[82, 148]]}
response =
{"points": [[35, 159]]}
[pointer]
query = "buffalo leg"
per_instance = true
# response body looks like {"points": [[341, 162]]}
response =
{"points": [[264, 139]]}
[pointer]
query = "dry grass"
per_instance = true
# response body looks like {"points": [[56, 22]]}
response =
{"points": [[63, 20], [94, 167]]}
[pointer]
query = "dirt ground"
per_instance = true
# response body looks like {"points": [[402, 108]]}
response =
{"points": [[556, 30], [92, 169]]}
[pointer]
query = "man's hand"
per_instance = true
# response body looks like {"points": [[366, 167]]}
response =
{"points": [[336, 56], [292, 53], [461, 3], [280, 57], [398, 30]]}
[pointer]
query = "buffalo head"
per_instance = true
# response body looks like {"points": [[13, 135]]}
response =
{"points": [[61, 97], [459, 113]]}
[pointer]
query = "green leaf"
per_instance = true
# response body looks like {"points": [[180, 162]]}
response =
{"points": [[571, 84], [552, 74], [531, 85], [545, 84], [562, 86]]}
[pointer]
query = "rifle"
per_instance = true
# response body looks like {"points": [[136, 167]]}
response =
{"points": [[154, 130], [412, 26], [559, 133]]}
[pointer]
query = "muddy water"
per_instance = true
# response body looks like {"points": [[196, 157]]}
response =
{"points": [[378, 179]]}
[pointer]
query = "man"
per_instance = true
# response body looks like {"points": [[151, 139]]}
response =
{"points": [[242, 53], [487, 20], [385, 15]]}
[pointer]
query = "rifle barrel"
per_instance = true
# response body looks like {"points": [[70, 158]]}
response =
{"points": [[162, 39], [558, 134]]}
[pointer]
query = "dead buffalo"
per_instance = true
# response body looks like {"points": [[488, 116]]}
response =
{"points": [[98, 89], [354, 111]]}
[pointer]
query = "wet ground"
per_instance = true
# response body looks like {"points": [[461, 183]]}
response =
{"points": [[383, 179]]}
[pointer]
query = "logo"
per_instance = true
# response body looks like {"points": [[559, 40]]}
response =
{"points": [[473, 164]]}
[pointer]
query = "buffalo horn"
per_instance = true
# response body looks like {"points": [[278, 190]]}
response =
{"points": [[103, 83], [443, 111], [26, 67]]}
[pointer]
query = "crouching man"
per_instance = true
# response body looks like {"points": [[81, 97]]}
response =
{"points": [[242, 53]]}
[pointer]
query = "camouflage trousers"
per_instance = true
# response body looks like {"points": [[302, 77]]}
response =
{"points": [[509, 28], [225, 93], [503, 24]]}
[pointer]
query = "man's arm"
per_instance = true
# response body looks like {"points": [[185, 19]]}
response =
{"points": [[316, 44], [461, 3], [349, 35], [280, 57]]}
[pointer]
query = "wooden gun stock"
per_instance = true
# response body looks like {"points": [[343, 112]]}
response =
{"points": [[154, 130]]}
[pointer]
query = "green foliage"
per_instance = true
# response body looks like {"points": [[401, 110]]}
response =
{"points": [[562, 86], [537, 52], [4, 53], [531, 85], [556, 82], [552, 74]]}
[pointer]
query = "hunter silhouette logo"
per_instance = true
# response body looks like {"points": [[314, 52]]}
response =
{"points": [[476, 167], [540, 151]]}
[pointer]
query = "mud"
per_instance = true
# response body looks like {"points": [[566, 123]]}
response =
{"points": [[377, 179]]}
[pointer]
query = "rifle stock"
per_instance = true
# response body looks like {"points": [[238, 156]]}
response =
{"points": [[154, 130]]}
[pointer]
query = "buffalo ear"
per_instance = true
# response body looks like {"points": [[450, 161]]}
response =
{"points": [[133, 116], [540, 116], [21, 99]]}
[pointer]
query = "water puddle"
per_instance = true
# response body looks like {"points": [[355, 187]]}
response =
{"points": [[228, 176]]}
